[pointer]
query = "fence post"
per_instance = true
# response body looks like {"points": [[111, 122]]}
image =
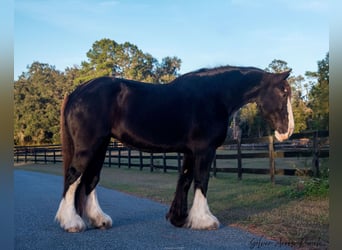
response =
{"points": [[214, 165], [54, 156], [45, 160], [179, 162], [129, 157], [271, 157], [119, 157], [239, 160], [141, 160], [164, 162], [109, 156], [151, 161], [315, 159], [35, 155]]}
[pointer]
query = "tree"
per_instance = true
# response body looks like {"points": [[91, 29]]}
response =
{"points": [[168, 69], [107, 57], [37, 96], [301, 111], [319, 96], [251, 122]]}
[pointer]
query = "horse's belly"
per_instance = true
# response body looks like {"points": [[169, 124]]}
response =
{"points": [[150, 140]]}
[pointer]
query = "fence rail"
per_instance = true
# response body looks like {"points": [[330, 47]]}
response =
{"points": [[314, 145]]}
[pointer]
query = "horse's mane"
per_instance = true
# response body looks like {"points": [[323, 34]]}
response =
{"points": [[220, 70]]}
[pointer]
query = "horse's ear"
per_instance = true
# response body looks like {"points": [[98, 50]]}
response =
{"points": [[284, 75], [278, 77]]}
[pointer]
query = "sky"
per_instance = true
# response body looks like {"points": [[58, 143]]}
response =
{"points": [[202, 33]]}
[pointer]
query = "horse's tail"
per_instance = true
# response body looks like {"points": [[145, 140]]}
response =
{"points": [[68, 153], [67, 143]]}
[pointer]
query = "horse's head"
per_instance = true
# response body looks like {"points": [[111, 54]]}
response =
{"points": [[275, 104]]}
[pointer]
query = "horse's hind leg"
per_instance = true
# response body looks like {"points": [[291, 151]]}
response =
{"points": [[70, 210], [67, 216], [97, 218], [79, 197], [92, 210]]}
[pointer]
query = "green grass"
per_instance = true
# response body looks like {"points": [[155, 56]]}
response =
{"points": [[289, 211]]}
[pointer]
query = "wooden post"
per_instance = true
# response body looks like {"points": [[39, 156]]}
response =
{"points": [[35, 155], [45, 155], [315, 159], [151, 161], [164, 162], [54, 156], [129, 157], [179, 162], [214, 165], [271, 157], [141, 160], [239, 160], [109, 150], [119, 157]]}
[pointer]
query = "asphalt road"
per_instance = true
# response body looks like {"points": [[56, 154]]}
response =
{"points": [[137, 223]]}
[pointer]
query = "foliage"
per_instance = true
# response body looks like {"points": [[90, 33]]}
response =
{"points": [[38, 93], [312, 187], [107, 58], [251, 122], [37, 96], [319, 96], [301, 111]]}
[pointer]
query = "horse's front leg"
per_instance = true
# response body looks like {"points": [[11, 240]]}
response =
{"points": [[200, 216], [178, 212]]}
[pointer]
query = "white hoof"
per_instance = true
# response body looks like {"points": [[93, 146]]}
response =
{"points": [[97, 218], [75, 225], [66, 215], [200, 216], [68, 219]]}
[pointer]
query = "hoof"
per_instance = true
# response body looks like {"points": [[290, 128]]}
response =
{"points": [[200, 216], [74, 229], [75, 225], [96, 217], [177, 221], [102, 221], [208, 223]]}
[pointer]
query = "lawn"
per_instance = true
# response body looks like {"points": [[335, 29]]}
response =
{"points": [[291, 211]]}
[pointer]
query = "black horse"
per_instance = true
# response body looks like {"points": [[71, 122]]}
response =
{"points": [[189, 115]]}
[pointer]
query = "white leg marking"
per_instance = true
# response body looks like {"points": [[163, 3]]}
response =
{"points": [[291, 119], [281, 137], [93, 211], [200, 216], [66, 214]]}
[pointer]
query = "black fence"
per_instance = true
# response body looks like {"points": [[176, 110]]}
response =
{"points": [[310, 145]]}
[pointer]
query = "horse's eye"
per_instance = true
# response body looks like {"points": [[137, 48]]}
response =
{"points": [[284, 92]]}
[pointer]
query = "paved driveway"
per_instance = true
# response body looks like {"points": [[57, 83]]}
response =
{"points": [[137, 223]]}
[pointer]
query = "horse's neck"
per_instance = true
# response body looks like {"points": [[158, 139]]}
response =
{"points": [[239, 94], [232, 93]]}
